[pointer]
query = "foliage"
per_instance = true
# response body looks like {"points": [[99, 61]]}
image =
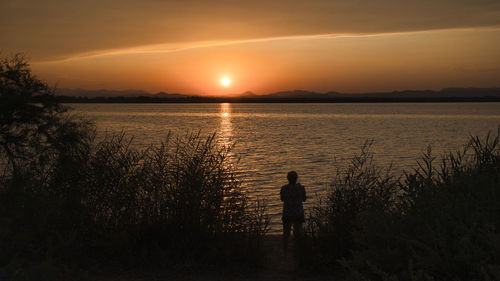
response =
{"points": [[161, 205], [357, 190], [32, 124], [439, 222]]}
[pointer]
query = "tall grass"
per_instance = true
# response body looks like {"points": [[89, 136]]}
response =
{"points": [[357, 189], [166, 205], [438, 222]]}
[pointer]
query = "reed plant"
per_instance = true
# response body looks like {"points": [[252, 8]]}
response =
{"points": [[357, 189], [176, 204], [438, 222]]}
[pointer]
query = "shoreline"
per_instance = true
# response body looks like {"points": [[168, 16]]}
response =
{"points": [[65, 99]]}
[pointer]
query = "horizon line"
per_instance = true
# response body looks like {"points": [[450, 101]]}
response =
{"points": [[282, 91]]}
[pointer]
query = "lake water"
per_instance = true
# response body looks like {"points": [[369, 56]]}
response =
{"points": [[272, 139]]}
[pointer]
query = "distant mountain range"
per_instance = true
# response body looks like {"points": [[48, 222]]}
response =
{"points": [[444, 93], [295, 94], [112, 93]]}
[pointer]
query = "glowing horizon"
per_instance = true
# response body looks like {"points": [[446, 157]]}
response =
{"points": [[416, 60], [186, 47]]}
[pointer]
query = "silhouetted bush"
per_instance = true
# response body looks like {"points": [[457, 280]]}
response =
{"points": [[357, 190], [439, 222], [33, 126], [184, 191], [160, 205]]}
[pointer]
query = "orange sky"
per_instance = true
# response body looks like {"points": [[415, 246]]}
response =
{"points": [[263, 46]]}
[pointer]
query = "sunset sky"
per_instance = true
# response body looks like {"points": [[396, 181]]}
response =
{"points": [[261, 46]]}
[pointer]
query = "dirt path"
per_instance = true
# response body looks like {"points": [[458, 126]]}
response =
{"points": [[275, 263], [276, 267]]}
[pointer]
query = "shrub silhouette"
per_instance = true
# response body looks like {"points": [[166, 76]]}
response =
{"points": [[32, 124], [438, 222], [357, 189], [159, 205]]}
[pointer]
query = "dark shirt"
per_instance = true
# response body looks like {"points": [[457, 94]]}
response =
{"points": [[292, 196]]}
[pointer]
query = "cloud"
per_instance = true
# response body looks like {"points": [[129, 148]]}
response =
{"points": [[178, 47], [60, 29]]}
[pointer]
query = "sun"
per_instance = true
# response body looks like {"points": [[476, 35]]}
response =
{"points": [[225, 81]]}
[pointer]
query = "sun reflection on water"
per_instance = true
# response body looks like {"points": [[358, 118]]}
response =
{"points": [[226, 128]]}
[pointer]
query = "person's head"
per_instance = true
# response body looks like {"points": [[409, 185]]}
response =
{"points": [[292, 177]]}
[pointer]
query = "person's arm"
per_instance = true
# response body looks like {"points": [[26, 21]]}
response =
{"points": [[281, 194], [304, 194]]}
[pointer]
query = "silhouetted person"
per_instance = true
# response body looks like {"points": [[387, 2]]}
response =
{"points": [[292, 195]]}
